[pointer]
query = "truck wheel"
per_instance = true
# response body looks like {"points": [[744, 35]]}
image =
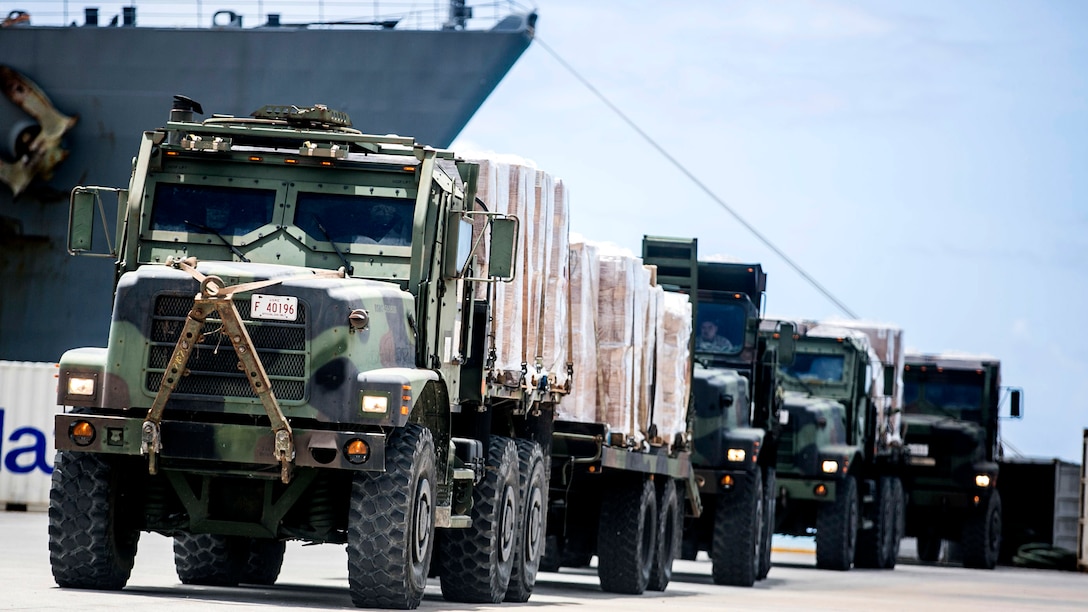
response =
{"points": [[391, 524], [874, 545], [837, 528], [900, 520], [477, 561], [91, 545], [627, 536], [737, 546], [532, 511], [263, 563], [982, 535], [770, 502], [670, 527], [209, 559], [929, 549]]}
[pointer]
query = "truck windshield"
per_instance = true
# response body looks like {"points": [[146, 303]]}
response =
{"points": [[949, 398], [202, 209], [720, 328], [355, 219], [813, 367]]}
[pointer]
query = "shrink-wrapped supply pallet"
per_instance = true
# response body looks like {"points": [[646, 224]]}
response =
{"points": [[616, 393], [673, 372], [522, 336], [647, 316], [581, 404], [556, 323]]}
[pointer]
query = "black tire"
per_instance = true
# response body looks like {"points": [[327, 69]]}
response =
{"points": [[689, 549], [90, 544], [737, 547], [874, 545], [391, 524], [770, 503], [477, 561], [670, 528], [929, 549], [982, 535], [532, 512], [627, 536], [209, 559], [900, 510], [837, 528], [263, 562]]}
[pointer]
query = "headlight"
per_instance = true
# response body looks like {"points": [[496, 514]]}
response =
{"points": [[735, 454], [982, 480], [80, 386], [830, 466], [375, 403]]}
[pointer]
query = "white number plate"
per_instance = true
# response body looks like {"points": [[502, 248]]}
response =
{"points": [[919, 450], [278, 307]]}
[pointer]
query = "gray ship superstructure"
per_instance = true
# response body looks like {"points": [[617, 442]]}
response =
{"points": [[77, 97]]}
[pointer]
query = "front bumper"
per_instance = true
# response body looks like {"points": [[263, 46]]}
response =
{"points": [[221, 442]]}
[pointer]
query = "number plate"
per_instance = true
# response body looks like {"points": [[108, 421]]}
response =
{"points": [[919, 450], [278, 307]]}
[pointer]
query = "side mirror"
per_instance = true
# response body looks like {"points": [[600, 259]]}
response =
{"points": [[889, 380], [787, 346], [504, 248], [1016, 403], [81, 220], [458, 246]]}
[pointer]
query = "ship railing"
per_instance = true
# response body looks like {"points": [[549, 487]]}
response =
{"points": [[319, 14]]}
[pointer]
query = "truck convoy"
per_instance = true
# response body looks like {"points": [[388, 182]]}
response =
{"points": [[735, 408], [840, 453], [951, 409], [327, 336]]}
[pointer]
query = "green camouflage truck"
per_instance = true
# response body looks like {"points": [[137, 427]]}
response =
{"points": [[734, 411], [951, 409], [840, 454], [303, 347]]}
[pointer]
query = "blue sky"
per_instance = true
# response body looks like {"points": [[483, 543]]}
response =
{"points": [[919, 159]]}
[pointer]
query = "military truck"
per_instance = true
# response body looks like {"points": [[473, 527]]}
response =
{"points": [[952, 407], [304, 347], [621, 472], [735, 407], [840, 454]]}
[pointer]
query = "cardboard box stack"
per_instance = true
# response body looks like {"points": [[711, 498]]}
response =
{"points": [[591, 304]]}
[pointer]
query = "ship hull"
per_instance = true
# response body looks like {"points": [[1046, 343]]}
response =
{"points": [[120, 81]]}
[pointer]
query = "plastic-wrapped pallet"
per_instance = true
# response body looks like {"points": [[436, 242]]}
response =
{"points": [[673, 370], [581, 405], [616, 339], [556, 323], [523, 335]]}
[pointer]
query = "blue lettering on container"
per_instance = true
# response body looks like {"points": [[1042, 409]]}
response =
{"points": [[37, 449]]}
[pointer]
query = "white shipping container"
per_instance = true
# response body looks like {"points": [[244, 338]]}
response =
{"points": [[1082, 532], [28, 402]]}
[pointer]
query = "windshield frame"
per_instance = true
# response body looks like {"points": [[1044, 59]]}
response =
{"points": [[148, 232]]}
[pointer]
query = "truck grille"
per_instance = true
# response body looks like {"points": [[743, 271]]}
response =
{"points": [[213, 366]]}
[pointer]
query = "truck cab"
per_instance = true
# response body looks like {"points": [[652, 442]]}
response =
{"points": [[952, 411], [294, 330], [735, 404], [839, 454]]}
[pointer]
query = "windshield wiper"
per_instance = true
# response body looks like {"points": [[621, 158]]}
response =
{"points": [[205, 228], [343, 259], [797, 379]]}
